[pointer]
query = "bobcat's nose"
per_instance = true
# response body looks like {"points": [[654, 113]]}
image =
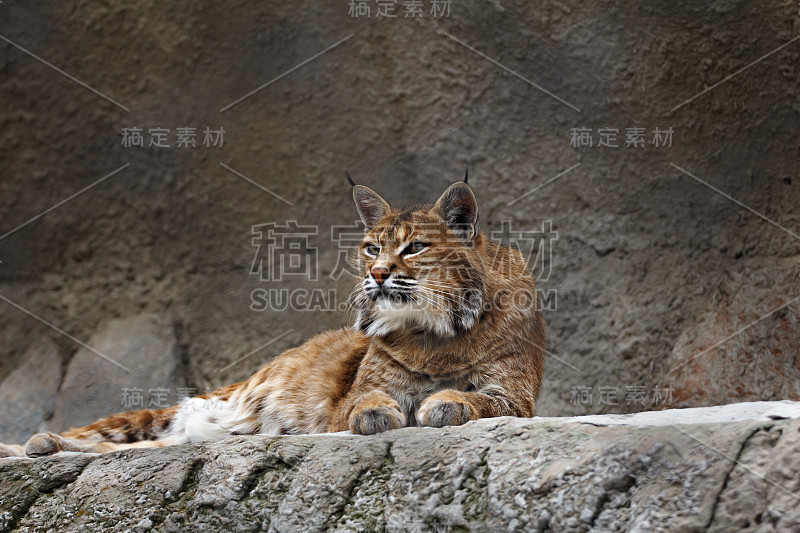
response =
{"points": [[380, 274]]}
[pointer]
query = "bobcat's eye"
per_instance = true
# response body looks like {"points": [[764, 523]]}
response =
{"points": [[414, 248], [372, 250]]}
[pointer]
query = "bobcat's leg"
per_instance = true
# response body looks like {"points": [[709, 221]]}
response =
{"points": [[375, 412], [368, 408], [447, 408], [147, 428], [49, 443], [134, 429], [511, 392], [11, 450]]}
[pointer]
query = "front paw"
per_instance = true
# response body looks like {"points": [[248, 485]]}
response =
{"points": [[437, 412], [375, 419], [43, 444]]}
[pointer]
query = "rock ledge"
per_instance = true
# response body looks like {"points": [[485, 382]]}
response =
{"points": [[658, 471]]}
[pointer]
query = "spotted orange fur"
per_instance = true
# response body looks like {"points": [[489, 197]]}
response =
{"points": [[447, 331]]}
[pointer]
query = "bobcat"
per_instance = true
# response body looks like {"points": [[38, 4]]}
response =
{"points": [[447, 331]]}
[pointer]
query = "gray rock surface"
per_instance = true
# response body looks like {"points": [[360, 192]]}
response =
{"points": [[94, 387], [763, 362], [501, 474], [28, 395]]}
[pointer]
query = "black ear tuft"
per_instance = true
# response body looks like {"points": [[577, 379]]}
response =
{"points": [[371, 207], [349, 179], [466, 175], [459, 209]]}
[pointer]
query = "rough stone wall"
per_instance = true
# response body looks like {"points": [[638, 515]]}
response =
{"points": [[492, 475], [651, 266]]}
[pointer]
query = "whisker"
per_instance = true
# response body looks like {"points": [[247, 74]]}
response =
{"points": [[444, 303], [442, 306], [428, 296], [428, 314], [442, 284], [435, 290], [437, 306], [441, 294]]}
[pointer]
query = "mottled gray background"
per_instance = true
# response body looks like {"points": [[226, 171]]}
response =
{"points": [[652, 267]]}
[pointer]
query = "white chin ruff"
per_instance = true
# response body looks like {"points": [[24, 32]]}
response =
{"points": [[394, 316]]}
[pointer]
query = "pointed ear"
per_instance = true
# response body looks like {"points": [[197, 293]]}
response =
{"points": [[371, 207], [459, 209]]}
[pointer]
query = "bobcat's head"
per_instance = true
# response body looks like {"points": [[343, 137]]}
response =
{"points": [[420, 265]]}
